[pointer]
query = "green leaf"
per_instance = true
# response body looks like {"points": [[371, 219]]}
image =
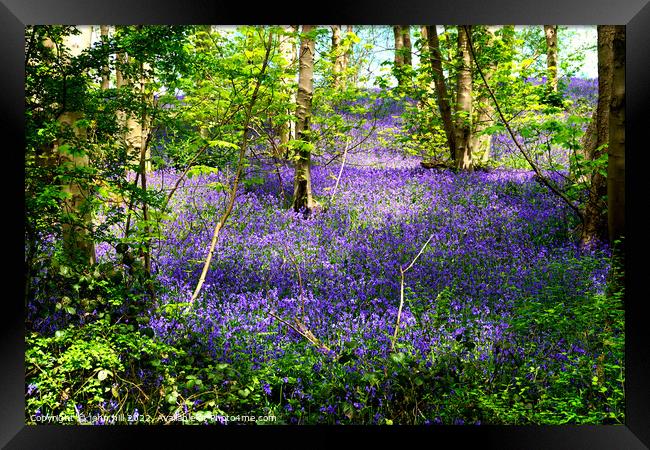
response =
{"points": [[220, 187], [103, 374], [219, 143], [398, 357], [171, 398]]}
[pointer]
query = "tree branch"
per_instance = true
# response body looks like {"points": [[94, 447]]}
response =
{"points": [[240, 167], [401, 292], [539, 174]]}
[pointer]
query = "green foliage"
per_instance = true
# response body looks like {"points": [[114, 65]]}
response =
{"points": [[101, 358], [89, 370]]}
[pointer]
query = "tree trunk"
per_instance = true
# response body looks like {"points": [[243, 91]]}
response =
{"points": [[133, 133], [402, 51], [106, 71], [135, 125], [407, 48], [551, 56], [338, 58], [424, 34], [480, 143], [144, 125], [463, 102], [442, 98], [347, 55], [302, 194], [77, 241], [399, 55], [288, 53], [616, 153], [594, 140]]}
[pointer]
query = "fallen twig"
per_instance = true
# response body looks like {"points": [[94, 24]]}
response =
{"points": [[401, 293]]}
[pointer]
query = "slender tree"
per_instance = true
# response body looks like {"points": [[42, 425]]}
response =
{"points": [[407, 47], [289, 55], [132, 76], [479, 142], [399, 44], [551, 56], [463, 126], [77, 242], [442, 97], [596, 140], [302, 193], [616, 153], [402, 51], [106, 71], [248, 117], [347, 55], [338, 58]]}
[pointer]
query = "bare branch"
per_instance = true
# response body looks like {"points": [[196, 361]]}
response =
{"points": [[401, 292], [240, 167]]}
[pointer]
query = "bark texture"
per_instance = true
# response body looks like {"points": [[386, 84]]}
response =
{"points": [[463, 102], [442, 97], [288, 53], [302, 193], [616, 153], [106, 72], [595, 142], [551, 55], [480, 143], [402, 51], [347, 55], [338, 58], [407, 48], [77, 240]]}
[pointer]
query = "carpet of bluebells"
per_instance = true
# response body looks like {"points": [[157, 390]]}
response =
{"points": [[505, 318]]}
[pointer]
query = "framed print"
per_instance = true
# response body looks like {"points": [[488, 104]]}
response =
{"points": [[301, 232]]}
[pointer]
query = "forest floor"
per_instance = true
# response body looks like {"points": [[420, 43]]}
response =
{"points": [[504, 317]]}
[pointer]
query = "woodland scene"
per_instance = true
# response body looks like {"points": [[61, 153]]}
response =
{"points": [[324, 224]]}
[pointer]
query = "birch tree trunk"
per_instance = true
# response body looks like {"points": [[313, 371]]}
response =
{"points": [[135, 125], [463, 126], [288, 53], [203, 45], [302, 193], [595, 140], [399, 53], [551, 56], [124, 119], [77, 242], [338, 58], [442, 97], [106, 72], [347, 55], [480, 143]]}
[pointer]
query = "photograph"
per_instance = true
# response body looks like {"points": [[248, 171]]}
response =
{"points": [[324, 225], [234, 229]]}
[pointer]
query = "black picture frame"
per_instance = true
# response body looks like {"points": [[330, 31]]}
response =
{"points": [[635, 14]]}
